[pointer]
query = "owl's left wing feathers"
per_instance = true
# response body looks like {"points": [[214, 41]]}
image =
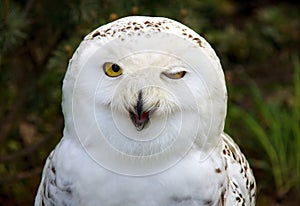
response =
{"points": [[54, 189]]}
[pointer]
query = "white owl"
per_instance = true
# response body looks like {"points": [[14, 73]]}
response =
{"points": [[144, 102]]}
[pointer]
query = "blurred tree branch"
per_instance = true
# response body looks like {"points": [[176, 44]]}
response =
{"points": [[32, 148], [21, 175]]}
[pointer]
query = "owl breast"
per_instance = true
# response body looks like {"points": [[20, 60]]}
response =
{"points": [[195, 180]]}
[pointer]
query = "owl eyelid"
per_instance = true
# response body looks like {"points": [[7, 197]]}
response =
{"points": [[175, 75]]}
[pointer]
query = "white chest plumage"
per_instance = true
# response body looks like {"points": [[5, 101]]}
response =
{"points": [[73, 178], [74, 175]]}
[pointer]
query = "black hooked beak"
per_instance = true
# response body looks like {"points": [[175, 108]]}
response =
{"points": [[139, 117]]}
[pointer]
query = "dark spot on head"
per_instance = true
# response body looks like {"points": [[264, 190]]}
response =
{"points": [[95, 34], [198, 41]]}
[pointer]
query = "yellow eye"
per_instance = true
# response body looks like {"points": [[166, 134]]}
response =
{"points": [[176, 75], [112, 70]]}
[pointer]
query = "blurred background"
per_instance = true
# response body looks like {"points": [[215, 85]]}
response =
{"points": [[257, 41]]}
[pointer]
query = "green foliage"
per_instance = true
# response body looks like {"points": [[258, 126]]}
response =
{"points": [[275, 127], [12, 26]]}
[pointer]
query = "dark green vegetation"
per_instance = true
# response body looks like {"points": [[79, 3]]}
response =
{"points": [[257, 42]]}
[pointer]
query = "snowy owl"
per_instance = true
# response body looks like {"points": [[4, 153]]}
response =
{"points": [[144, 102]]}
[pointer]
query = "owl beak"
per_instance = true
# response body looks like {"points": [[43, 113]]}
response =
{"points": [[139, 117]]}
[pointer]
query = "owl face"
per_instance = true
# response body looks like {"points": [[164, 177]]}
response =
{"points": [[144, 87]]}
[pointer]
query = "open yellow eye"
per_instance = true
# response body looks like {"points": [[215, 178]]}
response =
{"points": [[112, 70], [176, 75]]}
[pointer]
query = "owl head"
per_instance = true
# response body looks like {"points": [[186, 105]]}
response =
{"points": [[144, 88]]}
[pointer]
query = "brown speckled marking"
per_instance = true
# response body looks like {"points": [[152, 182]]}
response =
{"points": [[218, 170], [130, 28], [222, 198], [232, 154], [96, 34], [50, 189], [198, 41]]}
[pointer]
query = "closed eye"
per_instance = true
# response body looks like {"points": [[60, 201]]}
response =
{"points": [[174, 75]]}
